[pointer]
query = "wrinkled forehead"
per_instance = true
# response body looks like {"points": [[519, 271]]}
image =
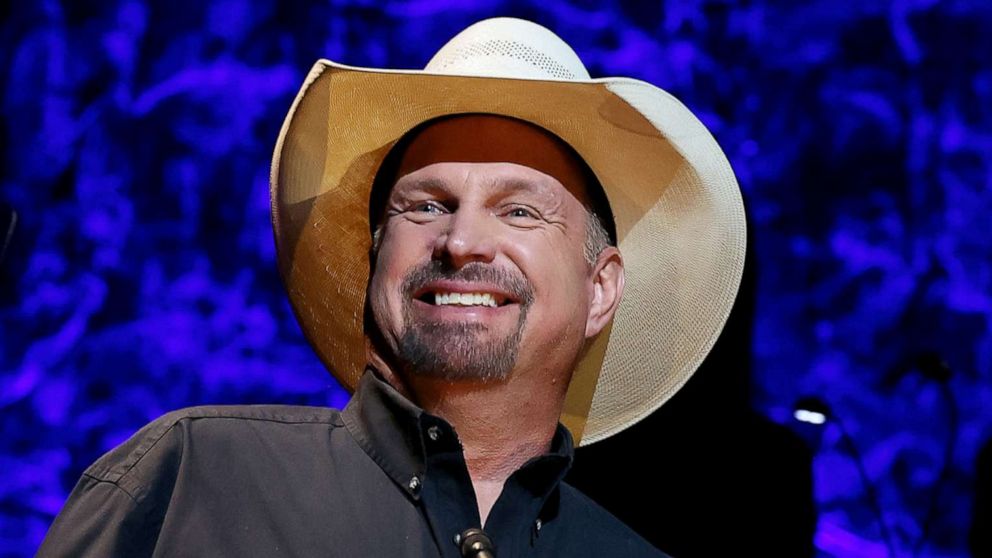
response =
{"points": [[486, 138]]}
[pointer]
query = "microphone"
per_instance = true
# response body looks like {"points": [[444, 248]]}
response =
{"points": [[475, 543]]}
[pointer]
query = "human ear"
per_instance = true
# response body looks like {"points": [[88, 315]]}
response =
{"points": [[607, 277]]}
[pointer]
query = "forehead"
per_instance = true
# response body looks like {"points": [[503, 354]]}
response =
{"points": [[486, 179], [487, 138]]}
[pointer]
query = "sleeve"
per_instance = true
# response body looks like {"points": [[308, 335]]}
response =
{"points": [[100, 519], [118, 506]]}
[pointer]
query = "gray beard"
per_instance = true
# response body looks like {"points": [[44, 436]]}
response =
{"points": [[453, 351]]}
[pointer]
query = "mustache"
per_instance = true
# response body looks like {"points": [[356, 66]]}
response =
{"points": [[437, 270]]}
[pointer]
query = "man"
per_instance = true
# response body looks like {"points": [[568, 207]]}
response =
{"points": [[451, 243]]}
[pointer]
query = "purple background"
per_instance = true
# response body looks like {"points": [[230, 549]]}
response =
{"points": [[136, 143]]}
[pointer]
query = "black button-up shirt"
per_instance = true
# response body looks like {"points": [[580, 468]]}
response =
{"points": [[381, 478]]}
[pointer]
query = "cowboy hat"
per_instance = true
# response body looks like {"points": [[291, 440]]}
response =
{"points": [[676, 205]]}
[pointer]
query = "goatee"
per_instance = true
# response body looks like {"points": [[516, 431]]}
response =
{"points": [[460, 351]]}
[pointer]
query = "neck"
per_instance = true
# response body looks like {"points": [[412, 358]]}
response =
{"points": [[501, 425]]}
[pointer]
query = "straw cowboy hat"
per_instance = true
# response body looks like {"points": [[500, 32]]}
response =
{"points": [[677, 208]]}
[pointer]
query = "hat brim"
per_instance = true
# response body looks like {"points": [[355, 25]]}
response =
{"points": [[676, 205]]}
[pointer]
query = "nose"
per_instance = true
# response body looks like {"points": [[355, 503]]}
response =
{"points": [[467, 239]]}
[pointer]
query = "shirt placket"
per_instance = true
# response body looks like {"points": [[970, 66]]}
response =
{"points": [[528, 501], [447, 496]]}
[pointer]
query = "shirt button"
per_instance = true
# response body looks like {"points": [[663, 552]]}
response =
{"points": [[434, 433], [414, 484], [538, 524]]}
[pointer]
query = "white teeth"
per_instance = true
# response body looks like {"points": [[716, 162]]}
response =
{"points": [[465, 299]]}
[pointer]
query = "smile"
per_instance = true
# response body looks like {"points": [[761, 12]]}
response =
{"points": [[453, 294], [466, 299]]}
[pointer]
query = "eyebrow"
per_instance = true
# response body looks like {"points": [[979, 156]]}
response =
{"points": [[421, 184], [514, 185], [504, 185]]}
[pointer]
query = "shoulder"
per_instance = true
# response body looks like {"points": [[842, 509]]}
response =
{"points": [[160, 444], [601, 528], [121, 502]]}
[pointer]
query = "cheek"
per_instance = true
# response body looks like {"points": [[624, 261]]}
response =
{"points": [[378, 302], [385, 283], [377, 289], [400, 251], [559, 278], [404, 241]]}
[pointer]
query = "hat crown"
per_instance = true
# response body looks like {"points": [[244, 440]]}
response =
{"points": [[508, 48]]}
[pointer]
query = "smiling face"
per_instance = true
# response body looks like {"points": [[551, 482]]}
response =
{"points": [[481, 270]]}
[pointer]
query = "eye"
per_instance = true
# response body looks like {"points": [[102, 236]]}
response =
{"points": [[429, 207], [519, 212]]}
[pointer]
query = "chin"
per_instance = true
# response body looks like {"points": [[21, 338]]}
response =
{"points": [[457, 355]]}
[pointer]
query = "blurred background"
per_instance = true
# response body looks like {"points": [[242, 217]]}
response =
{"points": [[843, 413]]}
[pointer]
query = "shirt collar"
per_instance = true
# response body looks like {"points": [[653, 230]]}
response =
{"points": [[387, 426], [391, 429]]}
